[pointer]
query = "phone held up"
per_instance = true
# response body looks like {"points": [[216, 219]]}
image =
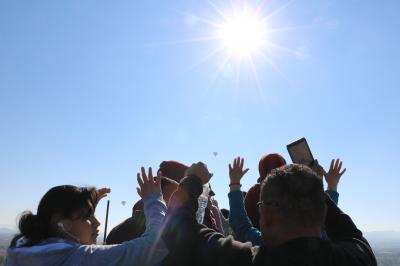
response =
{"points": [[300, 152]]}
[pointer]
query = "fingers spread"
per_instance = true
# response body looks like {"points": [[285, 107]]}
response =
{"points": [[241, 163], [158, 181], [144, 176], [331, 166], [140, 180], [150, 177], [341, 173], [340, 166], [337, 163]]}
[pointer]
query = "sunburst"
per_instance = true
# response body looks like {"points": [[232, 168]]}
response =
{"points": [[242, 36]]}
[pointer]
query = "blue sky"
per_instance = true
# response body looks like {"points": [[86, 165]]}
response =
{"points": [[92, 90]]}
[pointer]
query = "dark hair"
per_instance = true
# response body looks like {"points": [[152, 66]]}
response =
{"points": [[225, 213], [66, 201], [298, 194]]}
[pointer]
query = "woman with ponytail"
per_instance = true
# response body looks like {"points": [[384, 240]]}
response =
{"points": [[64, 229]]}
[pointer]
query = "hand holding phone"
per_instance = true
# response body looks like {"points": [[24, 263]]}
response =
{"points": [[300, 152]]}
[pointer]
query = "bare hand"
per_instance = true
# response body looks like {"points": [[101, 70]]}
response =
{"points": [[147, 183], [102, 193], [236, 171], [200, 170], [318, 169], [334, 174]]}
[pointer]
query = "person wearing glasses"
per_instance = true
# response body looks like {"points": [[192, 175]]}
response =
{"points": [[242, 224], [293, 209]]}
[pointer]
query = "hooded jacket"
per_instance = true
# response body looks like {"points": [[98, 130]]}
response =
{"points": [[145, 250]]}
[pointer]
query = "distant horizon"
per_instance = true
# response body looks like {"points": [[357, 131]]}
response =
{"points": [[101, 233]]}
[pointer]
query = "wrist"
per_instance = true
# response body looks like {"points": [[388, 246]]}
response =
{"points": [[332, 187], [235, 186]]}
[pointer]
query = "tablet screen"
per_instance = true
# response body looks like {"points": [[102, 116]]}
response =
{"points": [[300, 152]]}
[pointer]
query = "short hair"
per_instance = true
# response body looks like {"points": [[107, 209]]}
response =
{"points": [[298, 194]]}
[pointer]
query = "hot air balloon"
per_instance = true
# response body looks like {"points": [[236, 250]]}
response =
{"points": [[123, 202], [215, 153]]}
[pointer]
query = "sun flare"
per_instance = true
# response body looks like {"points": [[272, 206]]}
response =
{"points": [[244, 37], [243, 34]]}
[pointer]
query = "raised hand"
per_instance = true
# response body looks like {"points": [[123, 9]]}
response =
{"points": [[332, 177], [102, 193], [200, 170], [236, 171], [318, 169], [147, 183]]}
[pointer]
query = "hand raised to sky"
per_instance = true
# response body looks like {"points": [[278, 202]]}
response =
{"points": [[332, 177], [147, 183]]}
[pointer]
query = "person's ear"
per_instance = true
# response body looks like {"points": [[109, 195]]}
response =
{"points": [[269, 216], [64, 224]]}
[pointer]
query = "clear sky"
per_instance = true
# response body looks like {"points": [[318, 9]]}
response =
{"points": [[92, 90]]}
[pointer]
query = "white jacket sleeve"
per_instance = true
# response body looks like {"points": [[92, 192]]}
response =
{"points": [[149, 249]]}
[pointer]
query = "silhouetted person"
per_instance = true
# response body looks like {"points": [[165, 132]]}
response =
{"points": [[135, 226], [267, 163], [64, 230], [293, 208], [240, 222]]}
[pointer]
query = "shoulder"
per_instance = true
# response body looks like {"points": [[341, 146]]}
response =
{"points": [[232, 251]]}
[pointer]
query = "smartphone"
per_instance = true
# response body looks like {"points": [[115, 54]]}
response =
{"points": [[300, 152]]}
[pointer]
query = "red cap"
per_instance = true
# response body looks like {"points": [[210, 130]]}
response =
{"points": [[250, 204], [173, 170], [269, 162]]}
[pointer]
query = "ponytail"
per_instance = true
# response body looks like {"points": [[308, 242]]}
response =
{"points": [[32, 228], [65, 201]]}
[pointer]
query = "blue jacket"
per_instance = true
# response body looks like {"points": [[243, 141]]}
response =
{"points": [[148, 249], [241, 224]]}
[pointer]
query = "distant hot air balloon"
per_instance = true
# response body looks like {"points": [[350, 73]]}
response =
{"points": [[215, 153], [123, 202]]}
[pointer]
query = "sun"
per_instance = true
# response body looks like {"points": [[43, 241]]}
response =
{"points": [[243, 34]]}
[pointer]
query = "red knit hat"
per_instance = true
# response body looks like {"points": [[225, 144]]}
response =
{"points": [[269, 162], [250, 204], [173, 170]]}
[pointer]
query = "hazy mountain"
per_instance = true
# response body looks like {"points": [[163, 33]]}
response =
{"points": [[379, 239], [6, 235]]}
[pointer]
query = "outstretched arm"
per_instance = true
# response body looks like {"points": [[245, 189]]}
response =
{"points": [[145, 250], [191, 242], [238, 219], [332, 178]]}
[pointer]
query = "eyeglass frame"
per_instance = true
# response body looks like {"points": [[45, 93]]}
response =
{"points": [[268, 203]]}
